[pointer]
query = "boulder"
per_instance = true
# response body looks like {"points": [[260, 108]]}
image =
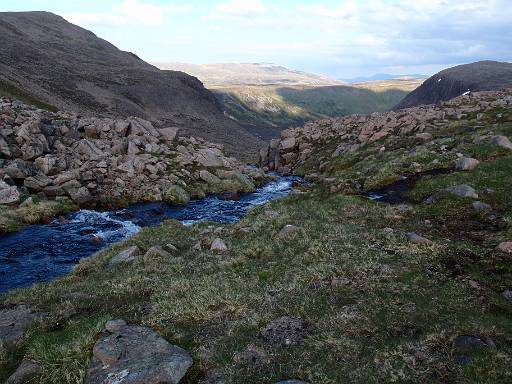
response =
{"points": [[125, 256], [423, 138], [136, 355], [218, 245], [501, 141], [288, 230], [14, 322], [9, 194], [19, 169], [463, 191], [507, 294], [481, 207], [208, 177], [466, 164], [37, 183], [288, 144], [26, 373], [417, 239], [76, 192], [156, 251], [168, 134], [505, 247]]}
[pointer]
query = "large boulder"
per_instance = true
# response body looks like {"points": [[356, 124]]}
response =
{"points": [[14, 322], [466, 164], [25, 373], [136, 355], [8, 194], [501, 141]]}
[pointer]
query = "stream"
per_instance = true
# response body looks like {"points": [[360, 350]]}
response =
{"points": [[40, 253]]}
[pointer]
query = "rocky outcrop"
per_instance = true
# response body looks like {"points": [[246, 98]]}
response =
{"points": [[350, 133], [14, 322], [102, 160]]}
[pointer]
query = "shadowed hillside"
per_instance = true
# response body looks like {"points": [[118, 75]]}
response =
{"points": [[453, 82]]}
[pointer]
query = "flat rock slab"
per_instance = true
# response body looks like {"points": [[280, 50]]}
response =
{"points": [[14, 322], [125, 256], [136, 355]]}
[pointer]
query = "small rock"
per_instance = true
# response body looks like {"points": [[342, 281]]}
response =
{"points": [[286, 331], [505, 247], [114, 325], [480, 207], [218, 245], [501, 141], [417, 239], [156, 251], [463, 191], [507, 294], [287, 230], [423, 138], [126, 255], [136, 355], [26, 373], [474, 284], [466, 164]]}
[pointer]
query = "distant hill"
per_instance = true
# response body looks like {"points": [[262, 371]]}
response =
{"points": [[48, 61], [223, 74], [453, 82], [383, 76], [266, 98]]}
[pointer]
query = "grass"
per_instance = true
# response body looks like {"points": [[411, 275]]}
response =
{"points": [[14, 218], [393, 321]]}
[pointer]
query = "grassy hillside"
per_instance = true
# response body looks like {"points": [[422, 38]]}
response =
{"points": [[266, 110]]}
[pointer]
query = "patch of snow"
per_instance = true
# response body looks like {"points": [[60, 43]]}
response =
{"points": [[466, 93], [439, 80]]}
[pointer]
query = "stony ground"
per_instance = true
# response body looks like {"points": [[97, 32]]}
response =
{"points": [[324, 286]]}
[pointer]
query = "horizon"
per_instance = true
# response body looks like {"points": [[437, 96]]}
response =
{"points": [[348, 39]]}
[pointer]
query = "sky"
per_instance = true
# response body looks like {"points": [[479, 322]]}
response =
{"points": [[341, 39]]}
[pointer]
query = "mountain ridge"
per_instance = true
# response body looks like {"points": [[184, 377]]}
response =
{"points": [[45, 58]]}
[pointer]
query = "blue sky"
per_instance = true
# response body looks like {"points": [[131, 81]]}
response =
{"points": [[343, 39]]}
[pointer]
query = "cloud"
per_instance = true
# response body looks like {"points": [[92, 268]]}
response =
{"points": [[239, 9], [129, 12]]}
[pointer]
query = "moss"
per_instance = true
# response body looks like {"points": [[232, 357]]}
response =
{"points": [[176, 195]]}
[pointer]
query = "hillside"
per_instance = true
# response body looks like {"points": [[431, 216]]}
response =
{"points": [[327, 285], [453, 82], [47, 61]]}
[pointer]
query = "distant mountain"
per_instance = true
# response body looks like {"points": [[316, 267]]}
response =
{"points": [[227, 74], [57, 65], [382, 76], [453, 82]]}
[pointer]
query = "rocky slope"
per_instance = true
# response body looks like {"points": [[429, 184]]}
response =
{"points": [[453, 82], [105, 161], [378, 135], [58, 65]]}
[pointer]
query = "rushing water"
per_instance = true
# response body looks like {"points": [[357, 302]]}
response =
{"points": [[43, 252]]}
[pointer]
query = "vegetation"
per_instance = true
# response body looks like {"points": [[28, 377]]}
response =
{"points": [[14, 218], [265, 110]]}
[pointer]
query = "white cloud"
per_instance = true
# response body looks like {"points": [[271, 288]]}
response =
{"points": [[129, 12], [239, 8]]}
